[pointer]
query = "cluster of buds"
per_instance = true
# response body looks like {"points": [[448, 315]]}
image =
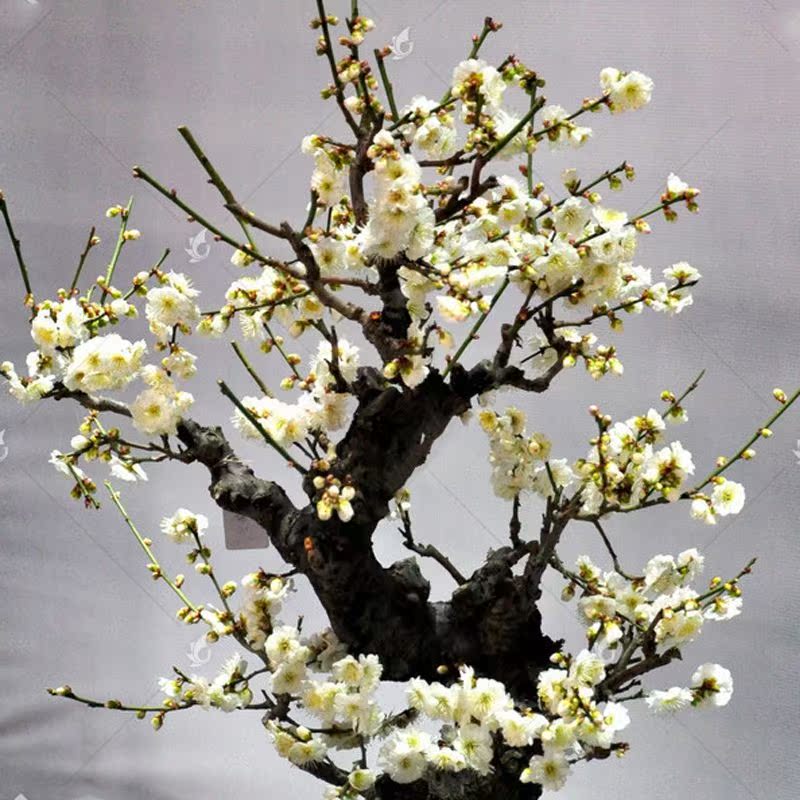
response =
{"points": [[358, 27], [678, 190], [334, 496]]}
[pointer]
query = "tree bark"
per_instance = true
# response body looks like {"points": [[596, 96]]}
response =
{"points": [[501, 784], [491, 622]]}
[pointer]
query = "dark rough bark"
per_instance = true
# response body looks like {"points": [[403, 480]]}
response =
{"points": [[491, 622], [502, 784]]}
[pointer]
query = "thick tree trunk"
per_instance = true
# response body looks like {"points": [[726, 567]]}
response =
{"points": [[491, 622], [502, 784]]}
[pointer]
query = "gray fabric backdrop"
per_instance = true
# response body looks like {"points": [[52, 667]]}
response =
{"points": [[90, 88]]}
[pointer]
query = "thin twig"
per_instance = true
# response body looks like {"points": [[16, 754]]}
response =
{"points": [[387, 84], [17, 246], [143, 543], [90, 243], [428, 551], [214, 177], [337, 81], [611, 551]]}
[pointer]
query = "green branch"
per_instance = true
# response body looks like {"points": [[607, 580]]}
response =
{"points": [[473, 334], [249, 367], [158, 571], [214, 178]]}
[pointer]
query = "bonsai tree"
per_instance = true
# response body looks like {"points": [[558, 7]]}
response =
{"points": [[420, 221]]}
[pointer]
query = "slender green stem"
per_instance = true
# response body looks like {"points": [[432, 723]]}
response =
{"points": [[473, 53], [665, 204], [540, 134], [114, 705], [172, 196], [215, 178], [112, 265], [337, 81], [287, 269], [280, 349], [475, 328], [406, 117], [146, 547], [785, 406], [259, 306], [201, 549], [619, 307], [581, 190], [387, 84], [249, 367], [609, 173], [23, 270], [529, 161], [676, 403], [87, 496], [251, 418]]}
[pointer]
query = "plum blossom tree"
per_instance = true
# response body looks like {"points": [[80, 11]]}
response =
{"points": [[417, 224]]}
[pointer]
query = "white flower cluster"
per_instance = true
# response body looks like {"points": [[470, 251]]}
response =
{"points": [[73, 352], [104, 363], [726, 498], [172, 305], [617, 608], [624, 469], [334, 498], [183, 525], [521, 462], [331, 162], [228, 691], [476, 715], [264, 596], [257, 299], [30, 388], [59, 326], [430, 128], [712, 685], [626, 90], [400, 218], [561, 130], [320, 406], [158, 409]]}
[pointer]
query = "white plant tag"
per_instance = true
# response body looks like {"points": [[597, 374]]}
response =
{"points": [[242, 533]]}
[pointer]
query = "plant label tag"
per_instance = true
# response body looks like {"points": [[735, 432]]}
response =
{"points": [[242, 533]]}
